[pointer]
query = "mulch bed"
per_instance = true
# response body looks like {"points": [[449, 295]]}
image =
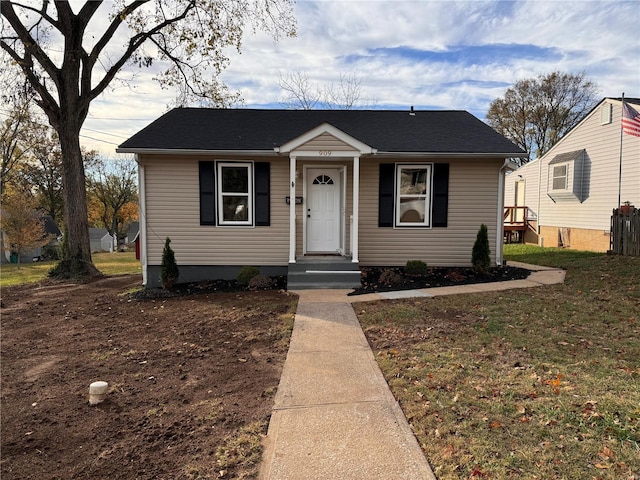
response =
{"points": [[394, 278]]}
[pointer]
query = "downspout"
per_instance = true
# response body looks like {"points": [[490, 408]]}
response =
{"points": [[142, 215], [507, 165]]}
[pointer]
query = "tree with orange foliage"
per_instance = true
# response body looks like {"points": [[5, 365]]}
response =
{"points": [[113, 196], [22, 224]]}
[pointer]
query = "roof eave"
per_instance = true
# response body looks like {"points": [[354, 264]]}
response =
{"points": [[187, 151], [455, 154], [275, 153]]}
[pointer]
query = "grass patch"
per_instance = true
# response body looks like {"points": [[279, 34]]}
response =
{"points": [[117, 263], [536, 383], [244, 448]]}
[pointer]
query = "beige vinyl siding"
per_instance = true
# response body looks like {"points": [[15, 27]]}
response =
{"points": [[325, 142], [602, 145], [473, 200], [173, 210]]}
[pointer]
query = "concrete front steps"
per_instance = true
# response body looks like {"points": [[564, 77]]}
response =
{"points": [[331, 271]]}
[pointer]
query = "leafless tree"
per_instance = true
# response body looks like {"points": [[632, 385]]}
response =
{"points": [[300, 93]]}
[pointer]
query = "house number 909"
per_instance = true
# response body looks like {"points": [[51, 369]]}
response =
{"points": [[325, 153]]}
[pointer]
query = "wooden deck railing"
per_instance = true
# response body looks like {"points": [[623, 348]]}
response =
{"points": [[515, 223], [514, 217]]}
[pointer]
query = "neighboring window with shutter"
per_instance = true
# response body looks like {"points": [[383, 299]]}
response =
{"points": [[207, 193], [263, 193], [385, 194], [440, 207], [434, 179], [235, 193], [413, 195]]}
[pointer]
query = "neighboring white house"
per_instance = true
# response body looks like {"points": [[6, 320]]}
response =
{"points": [[101, 240], [571, 191]]}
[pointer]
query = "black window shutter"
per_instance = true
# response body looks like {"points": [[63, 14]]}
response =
{"points": [[262, 193], [207, 193], [385, 194], [440, 194]]}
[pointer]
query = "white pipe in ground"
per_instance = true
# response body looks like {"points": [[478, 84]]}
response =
{"points": [[97, 392]]}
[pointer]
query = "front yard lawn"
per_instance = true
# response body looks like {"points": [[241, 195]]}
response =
{"points": [[116, 263], [541, 383]]}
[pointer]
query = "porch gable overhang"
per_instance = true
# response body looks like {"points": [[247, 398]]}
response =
{"points": [[352, 146]]}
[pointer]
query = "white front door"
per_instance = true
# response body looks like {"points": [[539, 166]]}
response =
{"points": [[323, 210]]}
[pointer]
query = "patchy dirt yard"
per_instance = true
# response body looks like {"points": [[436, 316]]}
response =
{"points": [[190, 378]]}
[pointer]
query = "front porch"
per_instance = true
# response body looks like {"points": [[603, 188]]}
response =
{"points": [[323, 271], [323, 200]]}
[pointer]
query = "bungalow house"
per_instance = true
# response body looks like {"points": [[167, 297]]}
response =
{"points": [[316, 194], [568, 195]]}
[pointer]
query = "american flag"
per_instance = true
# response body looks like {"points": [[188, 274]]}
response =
{"points": [[630, 120]]}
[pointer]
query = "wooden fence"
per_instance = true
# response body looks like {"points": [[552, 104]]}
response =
{"points": [[625, 232]]}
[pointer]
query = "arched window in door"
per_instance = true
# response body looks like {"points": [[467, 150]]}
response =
{"points": [[323, 180]]}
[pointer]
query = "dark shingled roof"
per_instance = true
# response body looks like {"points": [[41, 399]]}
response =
{"points": [[262, 130]]}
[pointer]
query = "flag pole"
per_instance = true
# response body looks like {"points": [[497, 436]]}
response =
{"points": [[620, 161]]}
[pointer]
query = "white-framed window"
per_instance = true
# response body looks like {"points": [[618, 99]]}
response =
{"points": [[235, 193], [560, 177], [413, 195]]}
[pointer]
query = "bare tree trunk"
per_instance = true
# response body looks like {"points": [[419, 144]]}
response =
{"points": [[77, 246]]}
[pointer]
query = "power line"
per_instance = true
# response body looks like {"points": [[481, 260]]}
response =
{"points": [[90, 117], [98, 140], [104, 133]]}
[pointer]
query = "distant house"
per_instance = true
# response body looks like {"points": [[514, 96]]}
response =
{"points": [[568, 195], [50, 229], [101, 240], [316, 194]]}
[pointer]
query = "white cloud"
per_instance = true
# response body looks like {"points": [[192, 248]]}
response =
{"points": [[600, 38]]}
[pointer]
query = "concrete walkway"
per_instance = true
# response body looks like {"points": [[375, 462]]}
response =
{"points": [[334, 416]]}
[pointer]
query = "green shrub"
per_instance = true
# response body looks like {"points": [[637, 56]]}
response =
{"points": [[260, 282], [481, 255], [246, 273], [169, 272], [415, 267]]}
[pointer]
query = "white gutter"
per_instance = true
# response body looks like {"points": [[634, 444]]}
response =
{"points": [[142, 215], [450, 155], [507, 165], [276, 153], [187, 151]]}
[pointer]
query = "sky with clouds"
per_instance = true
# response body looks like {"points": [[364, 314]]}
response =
{"points": [[429, 54]]}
